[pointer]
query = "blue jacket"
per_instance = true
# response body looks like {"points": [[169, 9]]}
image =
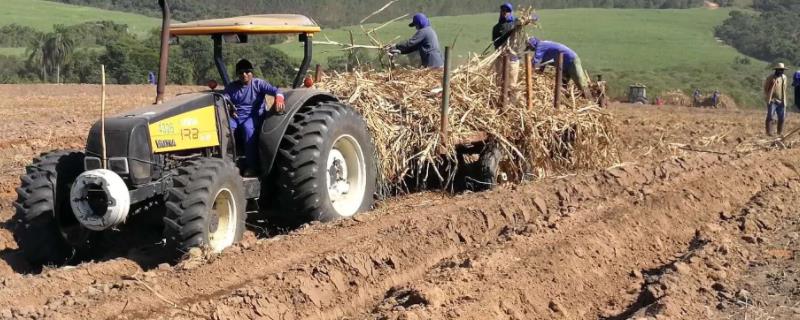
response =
{"points": [[549, 50], [796, 81], [248, 97], [425, 41]]}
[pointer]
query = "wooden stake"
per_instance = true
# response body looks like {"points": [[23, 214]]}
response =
{"points": [[529, 79], [444, 125], [103, 113], [318, 73], [559, 80], [504, 91]]}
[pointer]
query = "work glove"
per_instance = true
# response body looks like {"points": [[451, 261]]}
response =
{"points": [[280, 105]]}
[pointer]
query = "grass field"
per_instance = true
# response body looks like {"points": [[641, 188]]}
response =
{"points": [[42, 15], [665, 49]]}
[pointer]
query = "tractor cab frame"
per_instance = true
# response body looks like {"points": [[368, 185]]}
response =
{"points": [[238, 30]]}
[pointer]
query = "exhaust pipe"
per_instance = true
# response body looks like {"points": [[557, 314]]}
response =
{"points": [[164, 60]]}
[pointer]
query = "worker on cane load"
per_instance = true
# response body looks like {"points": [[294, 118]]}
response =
{"points": [[248, 95], [545, 51], [425, 41], [503, 34], [775, 96]]}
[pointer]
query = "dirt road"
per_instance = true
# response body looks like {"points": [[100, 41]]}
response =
{"points": [[698, 221]]}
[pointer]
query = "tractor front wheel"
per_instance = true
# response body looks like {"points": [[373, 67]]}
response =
{"points": [[205, 206], [45, 228]]}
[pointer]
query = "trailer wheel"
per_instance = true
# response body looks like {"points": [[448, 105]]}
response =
{"points": [[45, 228], [205, 206], [489, 164], [326, 165]]}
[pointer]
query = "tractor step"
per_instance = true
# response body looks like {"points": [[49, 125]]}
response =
{"points": [[252, 187]]}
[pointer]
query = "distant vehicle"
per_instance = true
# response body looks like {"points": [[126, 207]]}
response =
{"points": [[637, 94]]}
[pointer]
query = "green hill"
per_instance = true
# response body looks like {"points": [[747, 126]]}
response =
{"points": [[42, 15], [665, 49]]}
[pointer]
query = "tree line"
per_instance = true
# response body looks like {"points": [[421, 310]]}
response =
{"points": [[770, 34], [349, 12], [74, 53]]}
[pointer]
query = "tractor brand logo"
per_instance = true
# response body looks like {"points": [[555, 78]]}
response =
{"points": [[165, 143], [166, 128], [189, 122]]}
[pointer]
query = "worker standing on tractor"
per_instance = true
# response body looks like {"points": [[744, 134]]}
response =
{"points": [[545, 51], [775, 96], [503, 34], [248, 94], [425, 41]]}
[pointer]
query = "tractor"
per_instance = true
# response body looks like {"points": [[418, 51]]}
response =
{"points": [[178, 159], [637, 94]]}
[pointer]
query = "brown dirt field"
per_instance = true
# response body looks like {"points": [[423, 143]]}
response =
{"points": [[683, 228]]}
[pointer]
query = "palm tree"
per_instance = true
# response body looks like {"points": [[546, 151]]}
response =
{"points": [[57, 49], [36, 56]]}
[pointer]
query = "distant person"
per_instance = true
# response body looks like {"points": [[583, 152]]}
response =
{"points": [[545, 51], [151, 77], [425, 41], [796, 85], [715, 99], [248, 95], [602, 100], [697, 98], [502, 35], [775, 96]]}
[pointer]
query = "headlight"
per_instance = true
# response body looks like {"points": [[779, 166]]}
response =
{"points": [[118, 165], [92, 163]]}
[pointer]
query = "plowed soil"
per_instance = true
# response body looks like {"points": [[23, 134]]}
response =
{"points": [[693, 223]]}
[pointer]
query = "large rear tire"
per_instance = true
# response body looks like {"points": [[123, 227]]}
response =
{"points": [[205, 206], [489, 164], [326, 164], [45, 228]]}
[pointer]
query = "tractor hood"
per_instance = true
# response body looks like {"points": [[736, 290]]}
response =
{"points": [[183, 123]]}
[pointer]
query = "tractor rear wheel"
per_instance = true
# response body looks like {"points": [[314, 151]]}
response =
{"points": [[326, 164], [205, 206], [45, 228]]}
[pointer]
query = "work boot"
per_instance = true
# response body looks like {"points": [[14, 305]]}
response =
{"points": [[769, 128], [780, 128]]}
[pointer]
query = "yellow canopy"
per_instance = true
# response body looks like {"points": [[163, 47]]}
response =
{"points": [[255, 24]]}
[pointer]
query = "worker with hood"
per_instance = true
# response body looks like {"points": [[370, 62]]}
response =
{"points": [[796, 85], [502, 34], [545, 51], [425, 41]]}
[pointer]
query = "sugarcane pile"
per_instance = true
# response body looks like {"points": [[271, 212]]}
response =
{"points": [[402, 110]]}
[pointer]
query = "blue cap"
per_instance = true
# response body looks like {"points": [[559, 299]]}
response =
{"points": [[507, 7]]}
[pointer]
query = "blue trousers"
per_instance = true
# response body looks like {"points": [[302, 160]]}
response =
{"points": [[778, 108], [245, 131]]}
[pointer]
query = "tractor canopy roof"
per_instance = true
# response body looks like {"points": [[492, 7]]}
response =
{"points": [[255, 24]]}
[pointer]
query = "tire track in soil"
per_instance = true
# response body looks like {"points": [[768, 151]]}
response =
{"points": [[582, 273], [228, 306], [742, 267], [363, 259]]}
